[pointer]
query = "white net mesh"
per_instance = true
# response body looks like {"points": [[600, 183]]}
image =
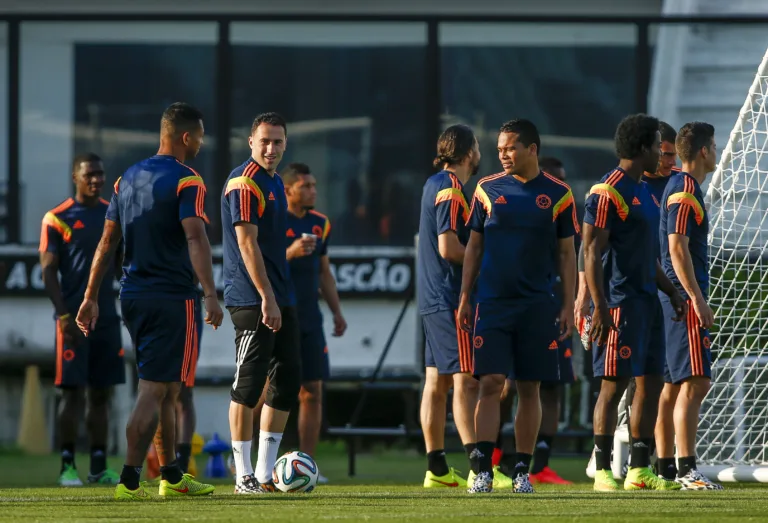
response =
{"points": [[734, 421]]}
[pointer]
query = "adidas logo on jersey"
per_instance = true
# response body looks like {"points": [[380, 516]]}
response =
{"points": [[290, 233], [501, 199], [271, 196], [79, 225], [553, 345], [635, 201]]}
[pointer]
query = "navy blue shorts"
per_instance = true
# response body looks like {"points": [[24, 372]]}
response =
{"points": [[96, 361], [518, 340], [447, 347], [314, 356], [637, 349], [165, 336], [565, 356], [688, 346]]}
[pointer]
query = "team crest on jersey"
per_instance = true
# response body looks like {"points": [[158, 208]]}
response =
{"points": [[625, 352], [543, 201], [478, 342], [317, 230], [707, 344], [68, 355]]}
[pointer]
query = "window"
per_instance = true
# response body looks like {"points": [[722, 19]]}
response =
{"points": [[102, 87], [353, 96], [575, 82]]}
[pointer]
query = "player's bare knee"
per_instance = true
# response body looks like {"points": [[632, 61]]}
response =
{"points": [[491, 385], [528, 390], [466, 383], [98, 398], [550, 394], [508, 391], [696, 388], [311, 392], [611, 390]]}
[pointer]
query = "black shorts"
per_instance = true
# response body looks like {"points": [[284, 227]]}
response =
{"points": [[258, 347], [94, 361], [165, 337]]}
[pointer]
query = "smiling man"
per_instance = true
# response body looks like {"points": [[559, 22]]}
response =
{"points": [[260, 298], [68, 240]]}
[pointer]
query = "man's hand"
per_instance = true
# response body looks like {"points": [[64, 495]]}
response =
{"points": [[303, 246], [602, 325], [69, 331], [213, 313], [270, 314], [339, 325], [87, 316], [581, 307], [465, 316], [704, 313], [679, 305], [566, 322]]}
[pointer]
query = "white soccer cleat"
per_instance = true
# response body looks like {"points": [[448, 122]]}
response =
{"points": [[695, 480], [248, 485], [483, 484], [523, 484]]}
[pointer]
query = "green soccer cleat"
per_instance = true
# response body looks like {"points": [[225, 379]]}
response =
{"points": [[605, 482], [69, 477], [643, 478], [188, 486], [107, 477], [123, 493], [500, 480], [452, 479]]}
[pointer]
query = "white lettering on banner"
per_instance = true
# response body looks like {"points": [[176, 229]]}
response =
{"points": [[36, 278], [17, 278], [382, 275]]}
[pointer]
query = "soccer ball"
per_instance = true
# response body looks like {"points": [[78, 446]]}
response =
{"points": [[295, 472]]}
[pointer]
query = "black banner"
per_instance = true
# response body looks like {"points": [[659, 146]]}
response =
{"points": [[356, 276]]}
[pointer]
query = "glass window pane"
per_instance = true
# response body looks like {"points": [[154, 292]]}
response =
{"points": [[3, 132], [102, 87], [575, 82], [353, 95]]}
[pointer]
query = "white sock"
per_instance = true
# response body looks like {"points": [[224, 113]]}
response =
{"points": [[241, 450], [269, 444]]}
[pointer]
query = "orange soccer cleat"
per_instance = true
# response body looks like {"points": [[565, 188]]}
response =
{"points": [[547, 475]]}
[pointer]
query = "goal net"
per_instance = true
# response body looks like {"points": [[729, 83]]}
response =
{"points": [[733, 430]]}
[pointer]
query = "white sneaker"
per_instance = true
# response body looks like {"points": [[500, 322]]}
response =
{"points": [[695, 480], [322, 480], [483, 484], [248, 485], [523, 484]]}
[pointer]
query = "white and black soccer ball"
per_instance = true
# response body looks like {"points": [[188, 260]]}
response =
{"points": [[295, 472]]}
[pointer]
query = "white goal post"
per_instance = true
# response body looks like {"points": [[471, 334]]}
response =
{"points": [[732, 442]]}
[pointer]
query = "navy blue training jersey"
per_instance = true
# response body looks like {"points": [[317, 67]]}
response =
{"points": [[521, 223], [683, 212], [251, 195], [305, 270], [443, 208], [72, 232], [150, 201], [627, 209], [657, 183]]}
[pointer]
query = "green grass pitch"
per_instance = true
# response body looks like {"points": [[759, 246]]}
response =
{"points": [[386, 489]]}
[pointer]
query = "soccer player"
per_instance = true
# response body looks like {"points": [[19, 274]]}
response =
{"points": [[549, 391], [684, 227], [261, 301], [448, 355], [68, 240], [523, 222], [621, 220], [656, 182], [158, 209], [307, 240]]}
